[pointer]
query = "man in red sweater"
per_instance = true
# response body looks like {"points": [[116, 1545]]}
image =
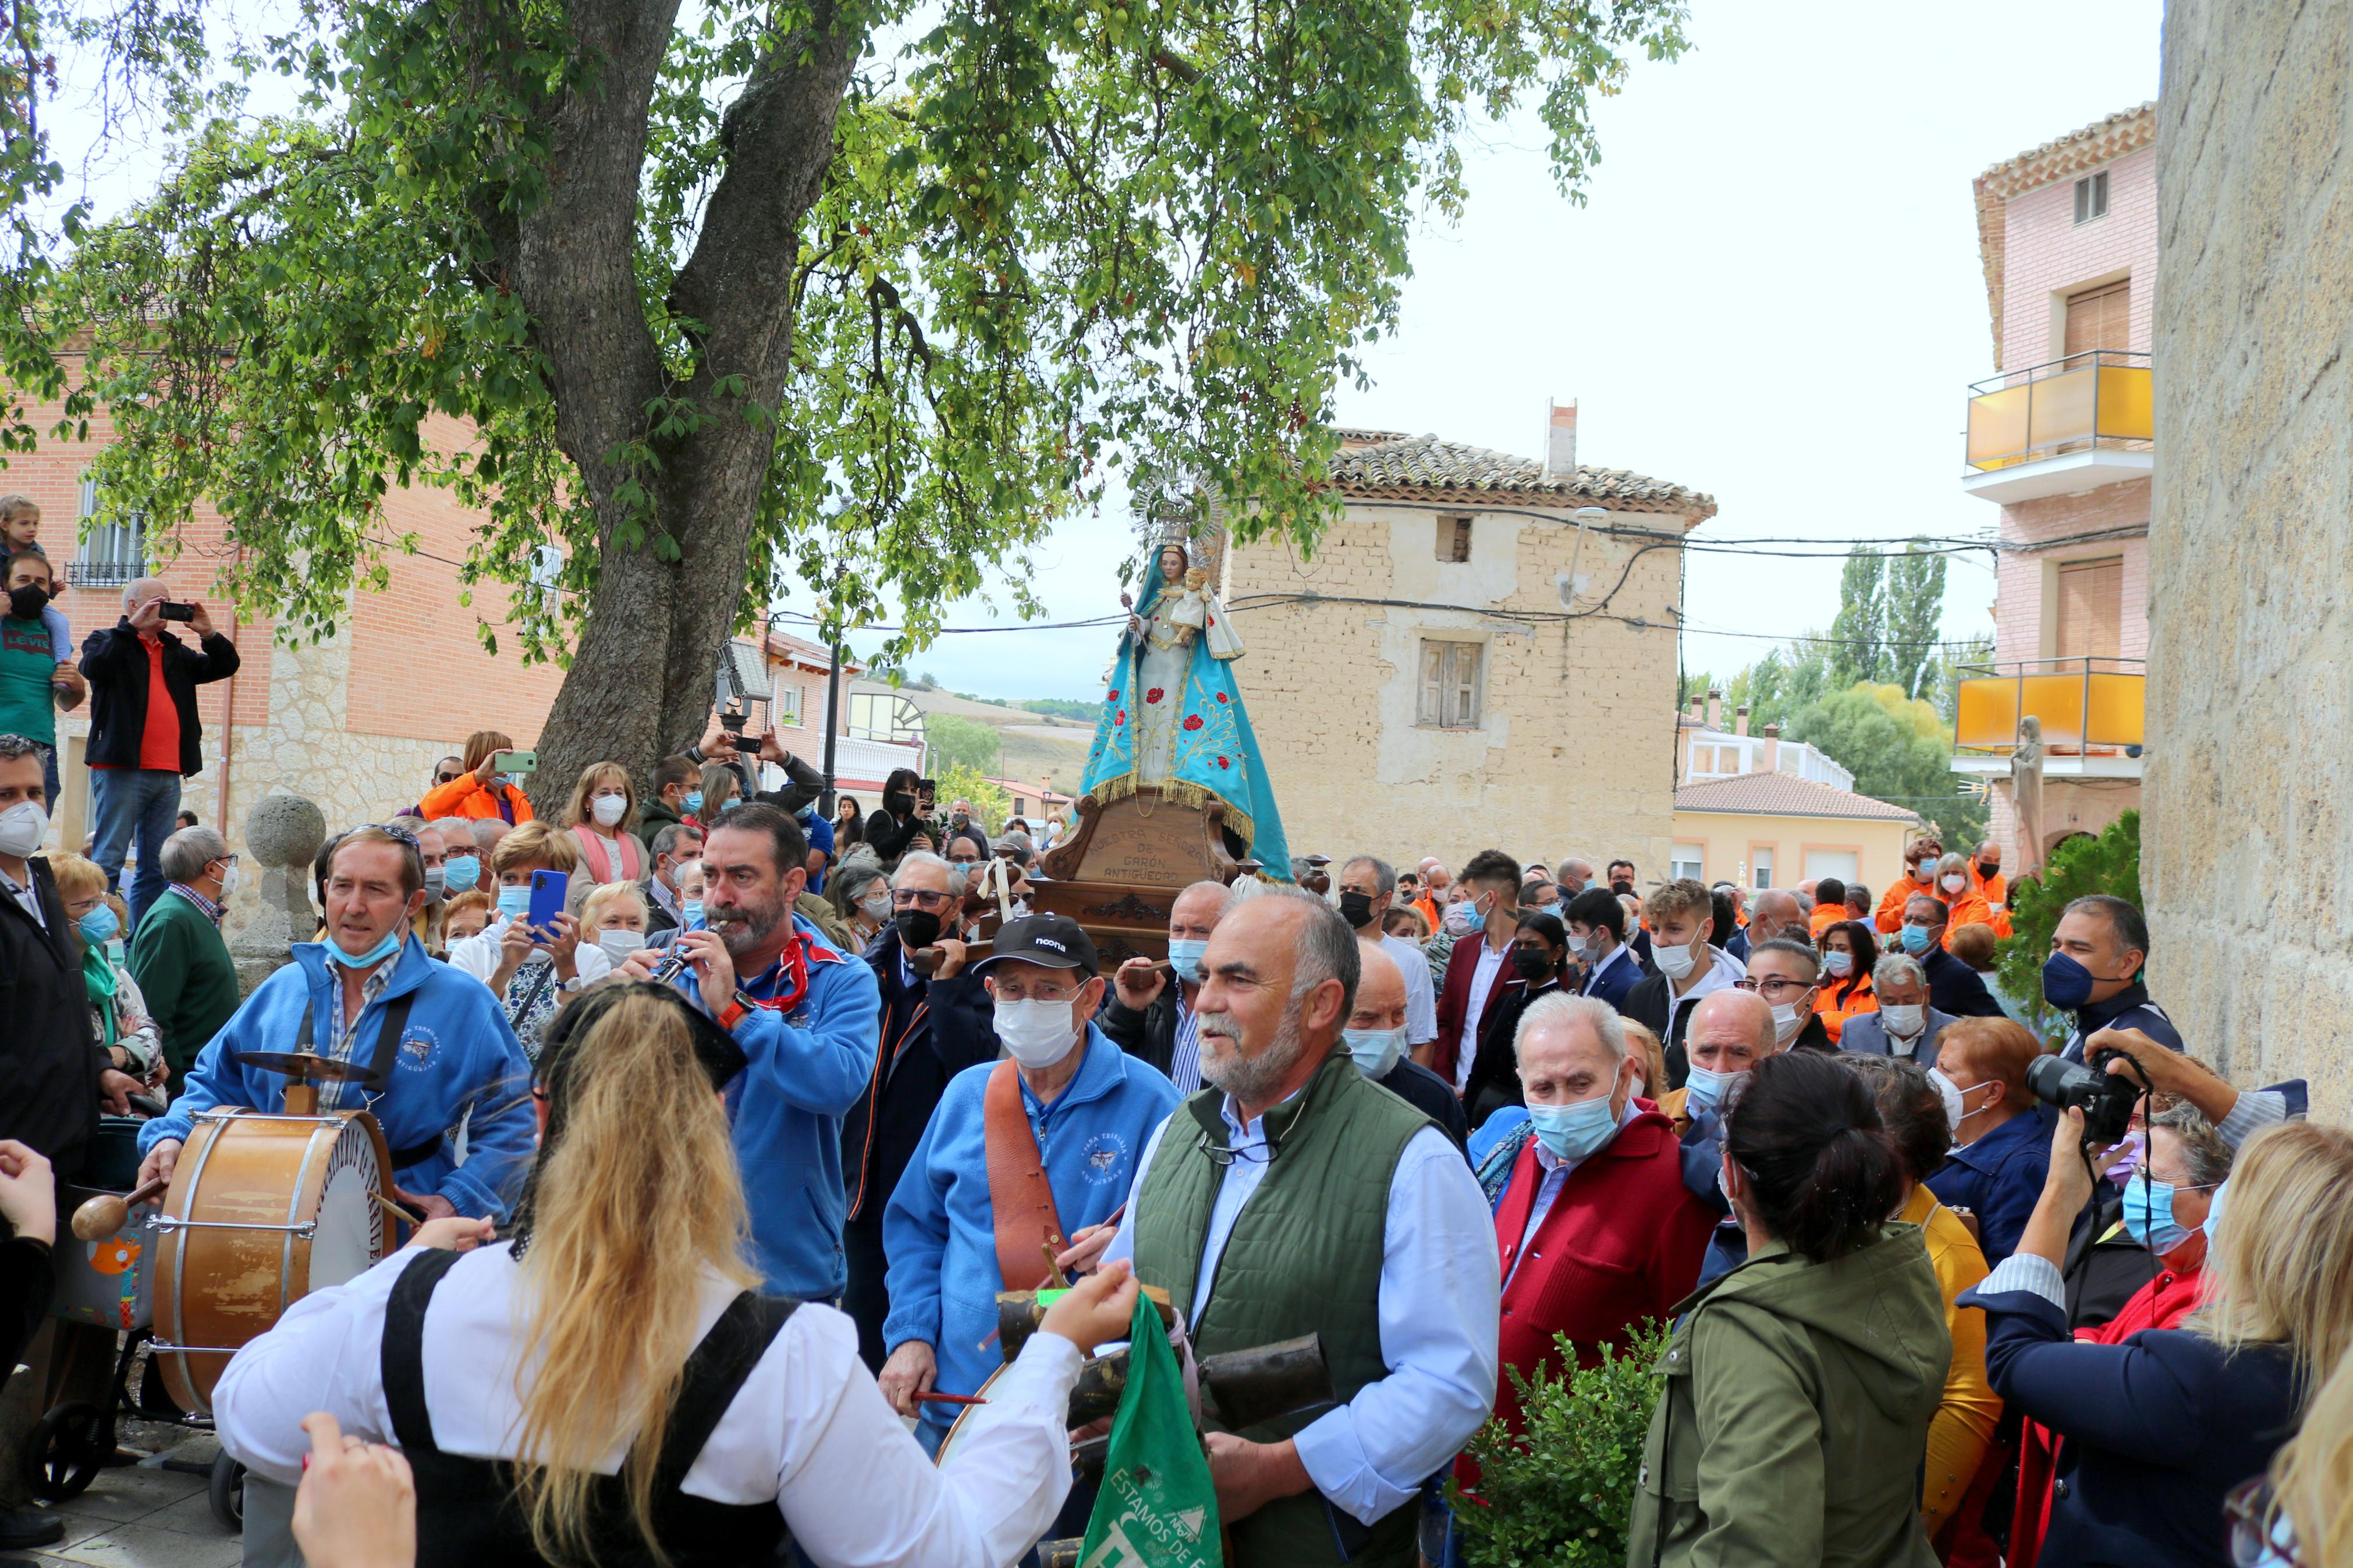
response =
{"points": [[1595, 1232]]}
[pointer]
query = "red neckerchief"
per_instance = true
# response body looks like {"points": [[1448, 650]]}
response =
{"points": [[799, 954]]}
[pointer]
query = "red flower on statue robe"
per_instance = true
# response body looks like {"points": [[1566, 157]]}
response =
{"points": [[1154, 695], [1222, 763], [1193, 722], [1120, 717], [1110, 695], [1221, 697]]}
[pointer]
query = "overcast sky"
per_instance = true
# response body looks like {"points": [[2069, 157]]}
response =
{"points": [[1773, 294]]}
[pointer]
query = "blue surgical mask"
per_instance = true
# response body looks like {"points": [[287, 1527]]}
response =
{"points": [[98, 925], [375, 955], [1375, 1051], [730, 803], [514, 902], [693, 801], [690, 914], [1915, 939], [1574, 1131], [1706, 1088], [2066, 985], [2148, 1213], [460, 875], [513, 781], [1184, 956]]}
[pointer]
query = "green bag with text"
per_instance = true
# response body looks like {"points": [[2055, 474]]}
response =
{"points": [[1158, 1508]]}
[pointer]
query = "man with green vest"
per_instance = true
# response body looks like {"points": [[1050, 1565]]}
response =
{"points": [[1294, 1195], [177, 956]]}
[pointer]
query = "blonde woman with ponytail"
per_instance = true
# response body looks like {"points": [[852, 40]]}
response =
{"points": [[608, 1387]]}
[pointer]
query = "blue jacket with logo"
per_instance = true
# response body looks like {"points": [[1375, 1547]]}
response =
{"points": [[940, 1232], [456, 1055], [804, 1070]]}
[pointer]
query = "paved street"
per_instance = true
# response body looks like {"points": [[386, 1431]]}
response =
{"points": [[138, 1517]]}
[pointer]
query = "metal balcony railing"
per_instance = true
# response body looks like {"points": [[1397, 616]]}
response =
{"points": [[2102, 398], [2088, 707], [104, 573]]}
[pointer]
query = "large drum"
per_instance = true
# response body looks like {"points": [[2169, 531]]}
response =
{"points": [[263, 1209]]}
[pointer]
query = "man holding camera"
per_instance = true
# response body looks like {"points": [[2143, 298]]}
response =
{"points": [[144, 734]]}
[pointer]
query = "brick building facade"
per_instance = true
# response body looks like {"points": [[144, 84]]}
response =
{"points": [[1465, 641]]}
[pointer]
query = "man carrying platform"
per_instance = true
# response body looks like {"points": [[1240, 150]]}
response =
{"points": [[434, 1041]]}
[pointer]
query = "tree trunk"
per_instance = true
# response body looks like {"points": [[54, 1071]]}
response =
{"points": [[640, 682]]}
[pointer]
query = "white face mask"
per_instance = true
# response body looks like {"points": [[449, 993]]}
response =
{"points": [[1950, 1093], [1904, 1022], [1839, 963], [608, 810], [1375, 1051], [22, 827], [1674, 963], [619, 944], [877, 905], [1787, 1021], [1956, 882], [1036, 1033], [228, 882]]}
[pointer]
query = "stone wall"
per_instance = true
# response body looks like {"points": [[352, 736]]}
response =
{"points": [[1575, 750], [2249, 819]]}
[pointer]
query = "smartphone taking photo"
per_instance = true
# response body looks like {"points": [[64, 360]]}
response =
{"points": [[173, 610]]}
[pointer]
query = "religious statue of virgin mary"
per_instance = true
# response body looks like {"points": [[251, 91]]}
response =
{"points": [[1173, 721]]}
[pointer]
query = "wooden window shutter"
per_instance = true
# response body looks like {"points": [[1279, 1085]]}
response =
{"points": [[1432, 707], [2090, 608], [2100, 318], [1465, 686]]}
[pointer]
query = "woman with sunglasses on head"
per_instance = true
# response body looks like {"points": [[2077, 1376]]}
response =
{"points": [[609, 1386]]}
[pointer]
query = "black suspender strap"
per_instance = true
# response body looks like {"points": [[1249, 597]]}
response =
{"points": [[387, 1037], [714, 1375], [402, 1356]]}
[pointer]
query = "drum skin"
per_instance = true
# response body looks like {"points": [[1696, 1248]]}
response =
{"points": [[240, 1168]]}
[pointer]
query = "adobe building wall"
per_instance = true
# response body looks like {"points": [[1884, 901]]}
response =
{"points": [[2249, 816]]}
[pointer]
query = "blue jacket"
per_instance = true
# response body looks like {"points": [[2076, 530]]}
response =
{"points": [[803, 1071], [940, 1232], [1998, 1178], [2157, 1430], [1620, 975], [458, 1055], [2129, 1009]]}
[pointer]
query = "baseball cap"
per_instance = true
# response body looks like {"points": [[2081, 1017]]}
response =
{"points": [[1058, 941]]}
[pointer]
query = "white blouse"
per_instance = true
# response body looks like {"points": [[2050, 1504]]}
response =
{"points": [[808, 1429]]}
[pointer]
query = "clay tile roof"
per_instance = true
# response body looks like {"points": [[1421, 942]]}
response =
{"points": [[1414, 466], [2062, 157], [1785, 794]]}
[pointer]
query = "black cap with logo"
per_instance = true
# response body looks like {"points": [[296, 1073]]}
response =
{"points": [[1055, 940]]}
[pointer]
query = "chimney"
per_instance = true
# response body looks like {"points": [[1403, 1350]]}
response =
{"points": [[1715, 707], [1772, 750], [1560, 441], [1740, 719]]}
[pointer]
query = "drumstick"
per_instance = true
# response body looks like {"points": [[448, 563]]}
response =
{"points": [[930, 1398], [104, 1214], [395, 1211], [1055, 1278]]}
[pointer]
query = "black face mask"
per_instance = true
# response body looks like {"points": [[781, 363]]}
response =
{"points": [[1621, 889], [27, 601], [917, 928], [898, 805], [1532, 964], [1357, 908], [1989, 872]]}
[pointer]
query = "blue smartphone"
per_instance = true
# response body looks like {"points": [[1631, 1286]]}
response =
{"points": [[547, 890]]}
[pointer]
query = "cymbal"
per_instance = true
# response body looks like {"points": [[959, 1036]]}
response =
{"points": [[303, 1064]]}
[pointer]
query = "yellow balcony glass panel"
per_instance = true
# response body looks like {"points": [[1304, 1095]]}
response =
{"points": [[2128, 403], [2058, 702], [2116, 709], [1998, 427], [1986, 717], [2065, 409]]}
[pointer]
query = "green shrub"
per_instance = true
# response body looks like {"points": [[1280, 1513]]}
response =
{"points": [[1558, 1497], [2107, 863]]}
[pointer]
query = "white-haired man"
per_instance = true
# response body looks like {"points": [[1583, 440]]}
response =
{"points": [[1294, 1196]]}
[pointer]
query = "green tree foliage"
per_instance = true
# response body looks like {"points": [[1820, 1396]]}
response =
{"points": [[1858, 650], [1775, 687], [2107, 862], [702, 299], [991, 804], [1558, 1496], [1915, 611], [1899, 749], [1063, 707], [959, 741]]}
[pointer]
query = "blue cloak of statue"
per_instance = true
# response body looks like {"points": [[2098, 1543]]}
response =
{"points": [[1172, 719]]}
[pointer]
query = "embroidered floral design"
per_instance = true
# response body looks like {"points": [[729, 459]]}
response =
{"points": [[1111, 697], [1221, 697], [1192, 722], [1222, 763], [1155, 695]]}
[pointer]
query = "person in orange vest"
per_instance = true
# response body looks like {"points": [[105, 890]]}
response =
{"points": [[1968, 906], [1986, 879], [1830, 907], [1920, 875]]}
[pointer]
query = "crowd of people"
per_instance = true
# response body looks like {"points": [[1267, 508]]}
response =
{"points": [[725, 1112]]}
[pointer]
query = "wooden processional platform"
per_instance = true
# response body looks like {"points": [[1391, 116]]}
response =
{"points": [[1124, 864]]}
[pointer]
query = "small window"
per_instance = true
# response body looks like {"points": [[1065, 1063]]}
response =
{"points": [[787, 707], [2091, 197], [1760, 868], [1686, 861], [112, 556], [1450, 685], [1454, 539]]}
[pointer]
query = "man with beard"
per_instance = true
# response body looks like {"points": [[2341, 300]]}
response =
{"points": [[1295, 1196], [808, 1020], [933, 1027]]}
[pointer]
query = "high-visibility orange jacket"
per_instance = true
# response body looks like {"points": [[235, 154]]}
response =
{"points": [[462, 796], [1890, 917], [1993, 889], [1837, 1001], [1824, 917], [1969, 908]]}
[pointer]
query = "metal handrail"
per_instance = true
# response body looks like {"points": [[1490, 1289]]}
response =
{"points": [[2081, 359], [2018, 669], [2083, 429]]}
